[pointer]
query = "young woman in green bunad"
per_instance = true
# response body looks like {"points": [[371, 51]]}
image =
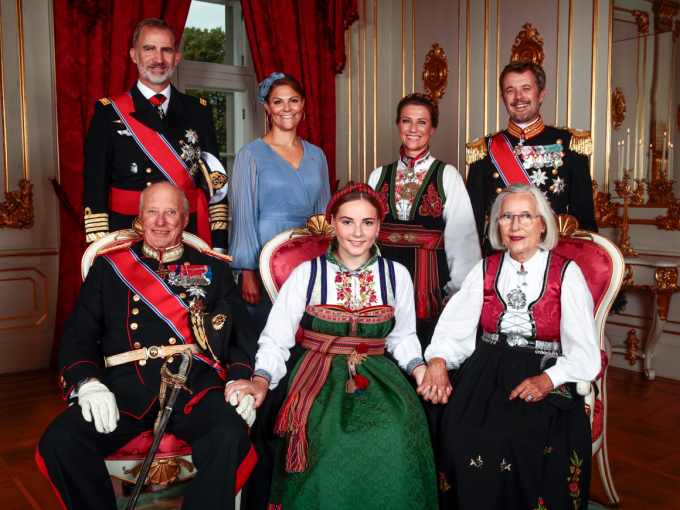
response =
{"points": [[355, 433]]}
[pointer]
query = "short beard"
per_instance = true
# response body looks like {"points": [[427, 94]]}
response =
{"points": [[150, 77], [525, 116]]}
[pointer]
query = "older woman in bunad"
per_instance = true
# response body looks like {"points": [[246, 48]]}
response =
{"points": [[278, 181], [514, 433], [429, 226], [356, 434]]}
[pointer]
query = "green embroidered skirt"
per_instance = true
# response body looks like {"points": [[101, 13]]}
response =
{"points": [[367, 450]]}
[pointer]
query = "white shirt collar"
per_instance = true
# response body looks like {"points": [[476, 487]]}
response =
{"points": [[524, 126], [537, 261], [147, 93]]}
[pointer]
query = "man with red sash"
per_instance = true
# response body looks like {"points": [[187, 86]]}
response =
{"points": [[553, 159], [142, 304], [150, 134]]}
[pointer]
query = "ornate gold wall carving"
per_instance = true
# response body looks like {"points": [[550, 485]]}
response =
{"points": [[17, 209], [606, 212], [436, 73], [671, 221], [528, 46], [664, 12], [642, 21], [618, 108]]}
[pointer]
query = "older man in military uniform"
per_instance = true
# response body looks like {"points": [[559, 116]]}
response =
{"points": [[150, 134], [553, 159], [143, 304]]}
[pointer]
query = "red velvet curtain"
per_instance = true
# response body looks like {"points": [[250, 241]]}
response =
{"points": [[304, 38], [92, 48]]}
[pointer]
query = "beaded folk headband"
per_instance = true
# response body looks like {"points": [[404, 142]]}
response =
{"points": [[351, 188], [427, 98]]}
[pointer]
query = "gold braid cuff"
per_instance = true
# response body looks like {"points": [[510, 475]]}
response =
{"points": [[475, 150], [581, 141], [90, 238], [219, 225]]}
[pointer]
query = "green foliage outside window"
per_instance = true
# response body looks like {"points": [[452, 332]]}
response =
{"points": [[218, 102], [203, 45]]}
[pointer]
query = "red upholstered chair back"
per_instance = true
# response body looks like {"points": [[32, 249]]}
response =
{"points": [[600, 261], [291, 248]]}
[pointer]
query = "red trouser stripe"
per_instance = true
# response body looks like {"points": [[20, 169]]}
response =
{"points": [[43, 469]]}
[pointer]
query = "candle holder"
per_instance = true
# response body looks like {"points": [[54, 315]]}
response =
{"points": [[661, 189], [624, 190], [638, 196]]}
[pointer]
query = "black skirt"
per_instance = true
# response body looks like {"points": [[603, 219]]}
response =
{"points": [[496, 453]]}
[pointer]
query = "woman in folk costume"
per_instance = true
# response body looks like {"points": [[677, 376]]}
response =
{"points": [[514, 433], [429, 225], [356, 435]]}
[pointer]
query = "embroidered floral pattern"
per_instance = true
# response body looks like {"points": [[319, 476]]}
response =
{"points": [[505, 465], [562, 390], [443, 485], [477, 463], [432, 203], [384, 197], [403, 205], [547, 450], [541, 505], [365, 295], [574, 490]]}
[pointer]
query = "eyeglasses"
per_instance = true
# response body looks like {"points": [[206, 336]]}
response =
{"points": [[525, 219]]}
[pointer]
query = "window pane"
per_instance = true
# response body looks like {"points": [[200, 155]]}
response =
{"points": [[214, 33], [228, 113]]}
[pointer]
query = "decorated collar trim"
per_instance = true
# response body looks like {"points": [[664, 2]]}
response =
{"points": [[412, 162], [528, 132], [331, 258], [168, 255]]}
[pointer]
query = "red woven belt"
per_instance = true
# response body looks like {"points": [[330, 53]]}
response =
{"points": [[428, 295]]}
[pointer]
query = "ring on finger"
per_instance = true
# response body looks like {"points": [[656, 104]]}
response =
{"points": [[529, 398]]}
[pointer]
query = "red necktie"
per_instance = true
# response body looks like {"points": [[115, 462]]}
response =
{"points": [[158, 101]]}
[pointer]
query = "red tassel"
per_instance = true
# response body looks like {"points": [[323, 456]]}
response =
{"points": [[361, 382], [362, 348]]}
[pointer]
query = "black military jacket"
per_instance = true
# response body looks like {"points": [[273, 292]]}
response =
{"points": [[109, 319], [113, 159], [568, 188]]}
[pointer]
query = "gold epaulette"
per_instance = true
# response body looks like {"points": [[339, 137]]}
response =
{"points": [[114, 248], [475, 150], [215, 254], [581, 141], [105, 101]]}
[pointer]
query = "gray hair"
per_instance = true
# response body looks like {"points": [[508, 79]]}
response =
{"points": [[549, 238], [171, 185], [154, 23]]}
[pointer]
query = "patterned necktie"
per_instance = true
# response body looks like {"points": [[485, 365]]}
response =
{"points": [[158, 101]]}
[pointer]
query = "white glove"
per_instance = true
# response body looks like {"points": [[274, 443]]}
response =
{"points": [[96, 401], [245, 408]]}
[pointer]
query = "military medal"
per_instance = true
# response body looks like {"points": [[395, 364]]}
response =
{"points": [[133, 168], [516, 297], [190, 276], [559, 185]]}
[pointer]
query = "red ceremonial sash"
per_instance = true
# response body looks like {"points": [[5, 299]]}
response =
{"points": [[141, 280], [165, 158], [509, 166]]}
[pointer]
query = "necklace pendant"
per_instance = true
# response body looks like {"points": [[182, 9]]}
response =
{"points": [[516, 299]]}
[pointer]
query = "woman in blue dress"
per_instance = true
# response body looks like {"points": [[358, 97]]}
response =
{"points": [[279, 180]]}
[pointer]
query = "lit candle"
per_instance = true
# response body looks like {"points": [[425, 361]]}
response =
{"points": [[636, 163], [651, 171], [628, 151], [663, 154], [670, 162], [623, 170], [618, 160]]}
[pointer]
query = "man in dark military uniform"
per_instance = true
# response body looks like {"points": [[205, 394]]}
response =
{"points": [[553, 159], [150, 134], [142, 304]]}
